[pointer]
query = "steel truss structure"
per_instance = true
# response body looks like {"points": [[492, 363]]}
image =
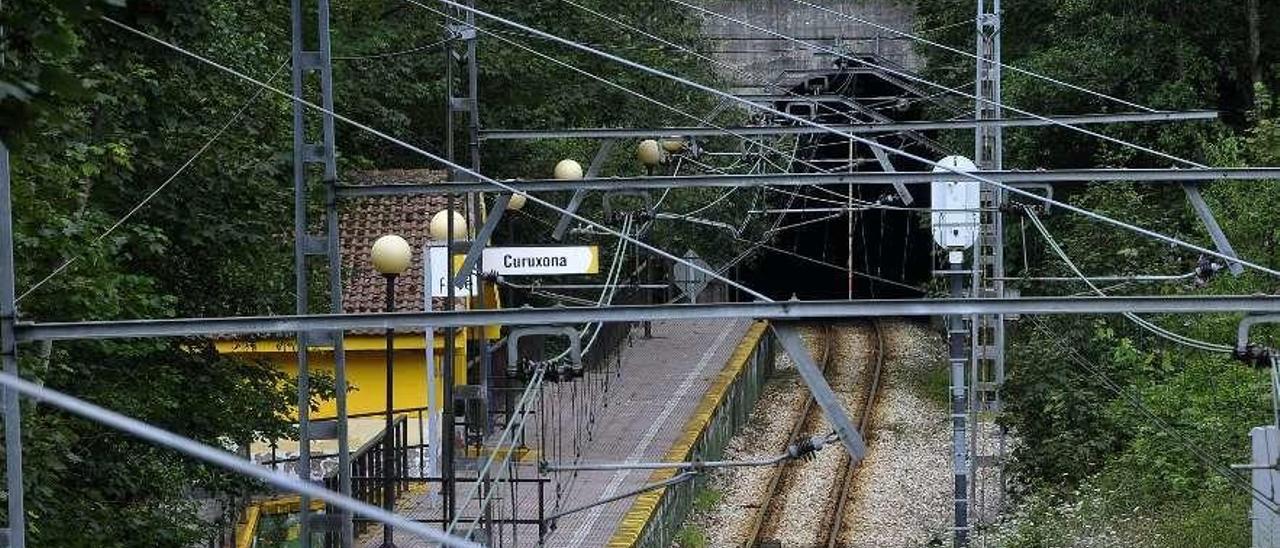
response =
{"points": [[764, 310], [327, 329], [887, 127], [1029, 178]]}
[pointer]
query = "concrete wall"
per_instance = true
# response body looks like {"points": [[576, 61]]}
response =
{"points": [[765, 57]]}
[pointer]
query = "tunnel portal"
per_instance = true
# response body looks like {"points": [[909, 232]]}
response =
{"points": [[892, 249]]}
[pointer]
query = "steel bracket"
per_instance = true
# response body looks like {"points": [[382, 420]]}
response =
{"points": [[826, 398], [481, 239], [570, 333], [1211, 224]]}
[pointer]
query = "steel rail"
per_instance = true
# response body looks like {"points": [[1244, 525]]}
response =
{"points": [[767, 310], [1013, 177], [756, 527], [864, 422], [887, 127]]}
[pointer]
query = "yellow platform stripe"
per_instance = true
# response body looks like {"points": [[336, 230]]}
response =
{"points": [[644, 506], [248, 528]]}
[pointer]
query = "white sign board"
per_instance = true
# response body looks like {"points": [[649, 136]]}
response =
{"points": [[440, 277], [542, 260], [955, 203]]}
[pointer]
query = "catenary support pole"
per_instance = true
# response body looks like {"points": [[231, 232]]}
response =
{"points": [[17, 531], [957, 337], [333, 256], [988, 330], [300, 272]]}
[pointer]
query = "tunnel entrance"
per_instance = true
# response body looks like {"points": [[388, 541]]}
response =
{"points": [[851, 241]]}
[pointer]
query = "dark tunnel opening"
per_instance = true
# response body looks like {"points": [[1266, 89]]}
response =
{"points": [[891, 244]]}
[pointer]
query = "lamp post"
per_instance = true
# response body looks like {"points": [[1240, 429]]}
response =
{"points": [[391, 255], [448, 226]]}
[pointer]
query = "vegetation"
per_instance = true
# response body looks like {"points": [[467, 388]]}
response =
{"points": [[1114, 435], [97, 119]]}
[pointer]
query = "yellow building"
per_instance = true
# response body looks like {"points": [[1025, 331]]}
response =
{"points": [[363, 220]]}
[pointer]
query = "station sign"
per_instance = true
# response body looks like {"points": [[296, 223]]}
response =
{"points": [[955, 200], [439, 281], [542, 260]]}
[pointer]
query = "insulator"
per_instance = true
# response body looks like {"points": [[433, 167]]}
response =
{"points": [[1257, 356]]}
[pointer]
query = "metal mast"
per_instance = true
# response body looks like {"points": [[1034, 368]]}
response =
{"points": [[460, 49], [309, 64], [9, 356], [987, 371]]}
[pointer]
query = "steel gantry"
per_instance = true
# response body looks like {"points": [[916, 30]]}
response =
{"points": [[1031, 178], [314, 62], [764, 310], [885, 127]]}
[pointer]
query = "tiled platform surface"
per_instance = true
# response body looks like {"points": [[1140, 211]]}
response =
{"points": [[661, 381]]}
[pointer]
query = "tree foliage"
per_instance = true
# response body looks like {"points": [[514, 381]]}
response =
{"points": [[1115, 443], [98, 119]]}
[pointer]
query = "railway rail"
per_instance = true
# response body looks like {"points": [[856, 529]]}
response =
{"points": [[764, 527]]}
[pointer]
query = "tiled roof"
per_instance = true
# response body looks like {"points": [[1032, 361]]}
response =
{"points": [[363, 220]]}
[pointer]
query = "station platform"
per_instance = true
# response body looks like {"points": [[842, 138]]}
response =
{"points": [[652, 397]]}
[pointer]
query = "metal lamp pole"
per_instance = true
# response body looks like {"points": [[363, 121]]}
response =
{"points": [[391, 256], [388, 451]]}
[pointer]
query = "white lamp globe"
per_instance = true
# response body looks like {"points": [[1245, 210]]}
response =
{"points": [[516, 202], [649, 152], [440, 226], [673, 144], [568, 170], [391, 255]]}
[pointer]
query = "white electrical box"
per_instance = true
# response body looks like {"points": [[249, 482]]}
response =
{"points": [[955, 203]]}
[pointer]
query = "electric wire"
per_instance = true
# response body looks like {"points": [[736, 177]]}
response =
{"points": [[424, 153], [1162, 425], [930, 83], [740, 70], [1145, 324], [971, 55], [389, 54], [745, 139], [855, 272], [399, 142], [968, 175], [159, 188]]}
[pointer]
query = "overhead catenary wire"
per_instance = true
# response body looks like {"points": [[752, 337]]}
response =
{"points": [[967, 175], [740, 70], [720, 127], [1162, 425], [1141, 322], [426, 154], [390, 54], [973, 56], [925, 81]]}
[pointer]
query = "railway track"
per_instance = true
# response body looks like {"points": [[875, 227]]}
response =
{"points": [[766, 525]]}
